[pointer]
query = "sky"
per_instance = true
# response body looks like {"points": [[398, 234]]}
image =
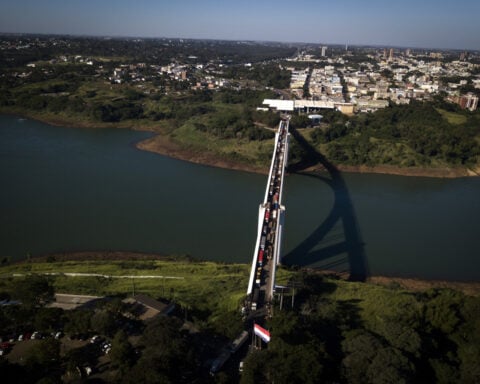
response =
{"points": [[408, 23]]}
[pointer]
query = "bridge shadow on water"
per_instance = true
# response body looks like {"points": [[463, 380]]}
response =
{"points": [[348, 243]]}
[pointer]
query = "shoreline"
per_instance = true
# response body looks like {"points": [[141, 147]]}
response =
{"points": [[163, 145], [470, 288]]}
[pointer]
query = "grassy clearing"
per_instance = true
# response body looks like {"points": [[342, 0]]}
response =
{"points": [[453, 117], [203, 285], [377, 303], [252, 152]]}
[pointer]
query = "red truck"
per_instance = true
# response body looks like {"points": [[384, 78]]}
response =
{"points": [[267, 215], [260, 257]]}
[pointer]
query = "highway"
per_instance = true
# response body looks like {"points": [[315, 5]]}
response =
{"points": [[271, 216]]}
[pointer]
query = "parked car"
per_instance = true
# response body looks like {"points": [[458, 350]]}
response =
{"points": [[36, 335], [95, 339]]}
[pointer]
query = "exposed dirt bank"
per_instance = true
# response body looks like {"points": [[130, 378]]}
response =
{"points": [[163, 145], [411, 171], [468, 288]]}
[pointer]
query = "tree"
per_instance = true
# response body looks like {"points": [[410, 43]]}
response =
{"points": [[46, 353], [78, 321], [122, 354], [49, 319], [390, 366], [300, 121], [442, 309], [34, 290], [103, 322], [360, 348], [75, 359], [167, 357]]}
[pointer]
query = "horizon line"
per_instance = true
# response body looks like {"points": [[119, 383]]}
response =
{"points": [[345, 44]]}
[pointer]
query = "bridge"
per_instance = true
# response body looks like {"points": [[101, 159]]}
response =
{"points": [[271, 217]]}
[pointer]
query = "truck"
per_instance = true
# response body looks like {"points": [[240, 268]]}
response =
{"points": [[256, 293], [260, 257], [219, 361], [275, 198], [262, 242], [238, 342], [259, 276]]}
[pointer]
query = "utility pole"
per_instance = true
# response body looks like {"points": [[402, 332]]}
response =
{"points": [[293, 296]]}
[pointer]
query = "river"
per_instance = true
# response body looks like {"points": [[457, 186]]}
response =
{"points": [[66, 189]]}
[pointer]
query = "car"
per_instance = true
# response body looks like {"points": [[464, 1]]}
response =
{"points": [[106, 345], [95, 339], [5, 348], [58, 335], [20, 337], [36, 335]]}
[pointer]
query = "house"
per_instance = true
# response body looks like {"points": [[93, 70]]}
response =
{"points": [[147, 307]]}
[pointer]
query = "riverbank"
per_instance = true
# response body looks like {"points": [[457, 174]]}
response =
{"points": [[447, 173], [107, 262], [164, 145], [161, 143]]}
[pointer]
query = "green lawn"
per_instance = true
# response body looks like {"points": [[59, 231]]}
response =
{"points": [[201, 284], [453, 117], [242, 150]]}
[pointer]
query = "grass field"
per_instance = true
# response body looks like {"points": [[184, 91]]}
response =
{"points": [[452, 117], [189, 283], [247, 151]]}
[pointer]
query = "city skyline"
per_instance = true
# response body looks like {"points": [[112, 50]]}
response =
{"points": [[429, 24]]}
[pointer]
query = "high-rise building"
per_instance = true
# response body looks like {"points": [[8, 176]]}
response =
{"points": [[469, 101], [324, 50], [390, 56]]}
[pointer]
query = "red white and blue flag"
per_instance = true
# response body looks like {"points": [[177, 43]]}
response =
{"points": [[262, 333]]}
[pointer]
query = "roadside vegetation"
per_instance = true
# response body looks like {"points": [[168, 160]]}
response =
{"points": [[334, 331]]}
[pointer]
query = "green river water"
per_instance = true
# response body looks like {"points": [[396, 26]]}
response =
{"points": [[65, 189]]}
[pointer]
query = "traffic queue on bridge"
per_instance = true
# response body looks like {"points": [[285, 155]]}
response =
{"points": [[263, 267], [265, 252]]}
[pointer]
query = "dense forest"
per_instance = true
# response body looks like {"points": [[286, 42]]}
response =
{"points": [[151, 51], [370, 334], [421, 134]]}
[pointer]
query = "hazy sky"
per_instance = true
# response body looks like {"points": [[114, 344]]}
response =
{"points": [[415, 23]]}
